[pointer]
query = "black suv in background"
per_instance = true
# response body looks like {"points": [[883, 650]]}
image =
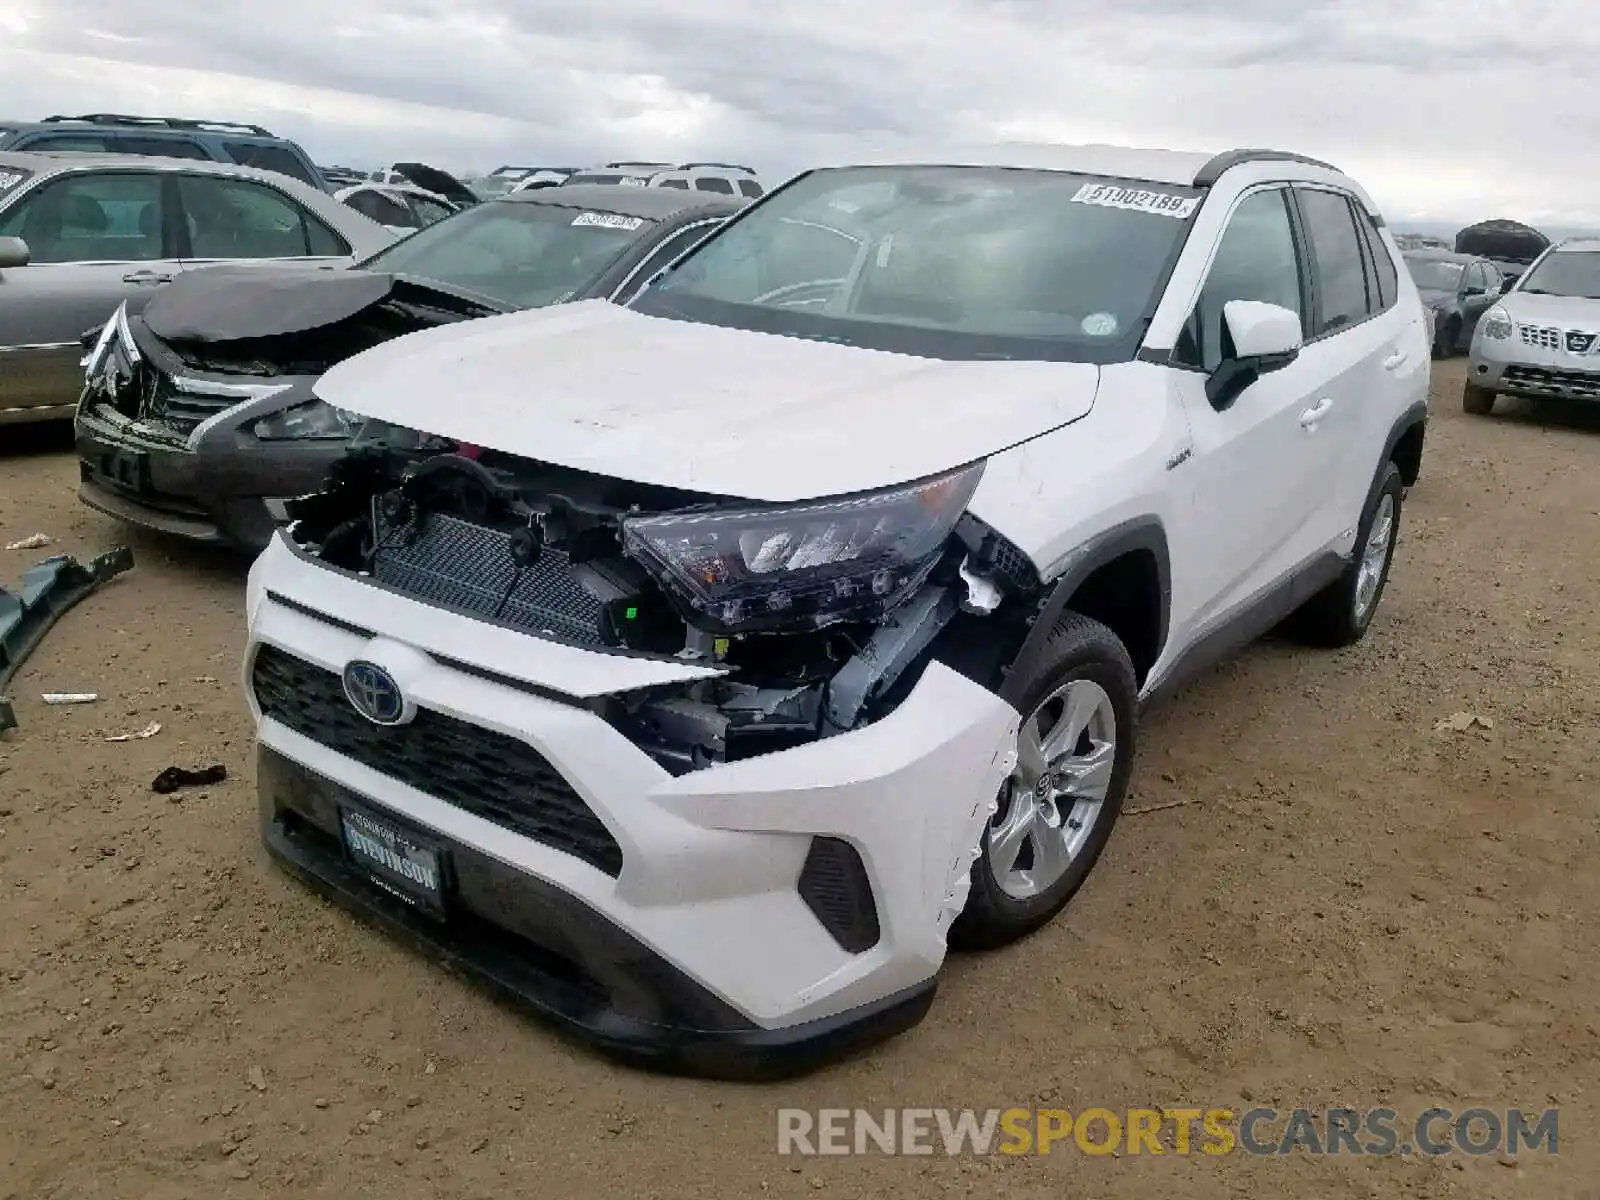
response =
{"points": [[165, 137]]}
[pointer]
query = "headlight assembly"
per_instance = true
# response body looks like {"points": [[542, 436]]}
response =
{"points": [[739, 570], [1497, 323], [312, 421]]}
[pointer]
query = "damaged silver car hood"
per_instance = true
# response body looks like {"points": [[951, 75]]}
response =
{"points": [[601, 388]]}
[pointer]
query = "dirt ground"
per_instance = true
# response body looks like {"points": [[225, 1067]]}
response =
{"points": [[1349, 908]]}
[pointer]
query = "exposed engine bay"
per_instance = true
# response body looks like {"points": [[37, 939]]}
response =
{"points": [[820, 616]]}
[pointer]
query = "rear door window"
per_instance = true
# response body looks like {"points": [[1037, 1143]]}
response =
{"points": [[58, 142], [112, 216], [750, 189], [713, 183], [383, 209], [239, 218]]}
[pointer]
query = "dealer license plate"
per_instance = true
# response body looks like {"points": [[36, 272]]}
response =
{"points": [[410, 868]]}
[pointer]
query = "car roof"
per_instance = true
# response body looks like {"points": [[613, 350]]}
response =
{"points": [[1184, 168], [45, 162], [76, 125], [653, 204]]}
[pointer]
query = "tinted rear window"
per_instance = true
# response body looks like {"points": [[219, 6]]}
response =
{"points": [[270, 158]]}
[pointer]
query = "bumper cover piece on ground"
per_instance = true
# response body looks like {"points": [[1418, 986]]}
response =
{"points": [[552, 953], [49, 589]]}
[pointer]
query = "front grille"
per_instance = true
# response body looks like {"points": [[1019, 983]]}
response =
{"points": [[1583, 385], [488, 774], [468, 567], [162, 404], [1542, 336]]}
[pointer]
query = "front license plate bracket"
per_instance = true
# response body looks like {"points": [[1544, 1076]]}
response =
{"points": [[408, 866]]}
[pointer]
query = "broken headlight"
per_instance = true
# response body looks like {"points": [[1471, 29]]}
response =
{"points": [[739, 570], [314, 419]]}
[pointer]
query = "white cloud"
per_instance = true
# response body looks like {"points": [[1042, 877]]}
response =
{"points": [[1443, 110]]}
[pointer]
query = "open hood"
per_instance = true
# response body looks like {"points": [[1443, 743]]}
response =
{"points": [[440, 183], [1509, 241], [605, 389], [227, 304]]}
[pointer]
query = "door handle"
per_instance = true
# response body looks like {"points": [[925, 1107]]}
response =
{"points": [[1313, 415], [147, 277], [1395, 361]]}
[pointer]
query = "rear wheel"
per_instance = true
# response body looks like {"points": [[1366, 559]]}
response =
{"points": [[1340, 613], [1479, 401], [1446, 340], [1074, 758]]}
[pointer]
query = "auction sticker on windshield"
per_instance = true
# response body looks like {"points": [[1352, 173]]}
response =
{"points": [[10, 179], [1109, 195], [608, 221]]}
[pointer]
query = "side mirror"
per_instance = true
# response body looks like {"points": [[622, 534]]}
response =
{"points": [[1257, 338], [14, 252]]}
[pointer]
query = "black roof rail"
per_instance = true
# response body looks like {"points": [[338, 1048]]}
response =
{"points": [[716, 166], [660, 165], [1208, 175], [237, 127]]}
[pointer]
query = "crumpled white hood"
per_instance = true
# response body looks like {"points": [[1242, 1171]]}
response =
{"points": [[605, 389]]}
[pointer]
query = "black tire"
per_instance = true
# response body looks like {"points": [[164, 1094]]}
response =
{"points": [[1478, 401], [1079, 648], [1331, 618], [1446, 339]]}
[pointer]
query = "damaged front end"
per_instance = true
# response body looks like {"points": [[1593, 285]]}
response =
{"points": [[818, 616]]}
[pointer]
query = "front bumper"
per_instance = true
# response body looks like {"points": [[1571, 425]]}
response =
{"points": [[214, 491], [701, 943], [1515, 366]]}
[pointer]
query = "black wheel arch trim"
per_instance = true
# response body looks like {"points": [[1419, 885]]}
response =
{"points": [[1414, 417], [1138, 534]]}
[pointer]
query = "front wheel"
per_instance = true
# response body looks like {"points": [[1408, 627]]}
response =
{"points": [[1340, 614], [1074, 758], [1478, 401]]}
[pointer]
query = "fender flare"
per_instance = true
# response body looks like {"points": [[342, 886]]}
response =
{"points": [[1139, 533], [1413, 417]]}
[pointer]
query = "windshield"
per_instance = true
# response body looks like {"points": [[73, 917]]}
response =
{"points": [[1435, 274], [523, 255], [942, 262], [1565, 273]]}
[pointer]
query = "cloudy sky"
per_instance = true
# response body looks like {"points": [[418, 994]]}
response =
{"points": [[1447, 111]]}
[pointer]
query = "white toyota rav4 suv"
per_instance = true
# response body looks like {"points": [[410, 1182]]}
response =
{"points": [[696, 671]]}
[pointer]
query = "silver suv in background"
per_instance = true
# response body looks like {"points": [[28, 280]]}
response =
{"points": [[236, 142], [82, 233], [1543, 337]]}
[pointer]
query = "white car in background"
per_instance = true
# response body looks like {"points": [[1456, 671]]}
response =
{"points": [[1542, 339], [697, 670]]}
